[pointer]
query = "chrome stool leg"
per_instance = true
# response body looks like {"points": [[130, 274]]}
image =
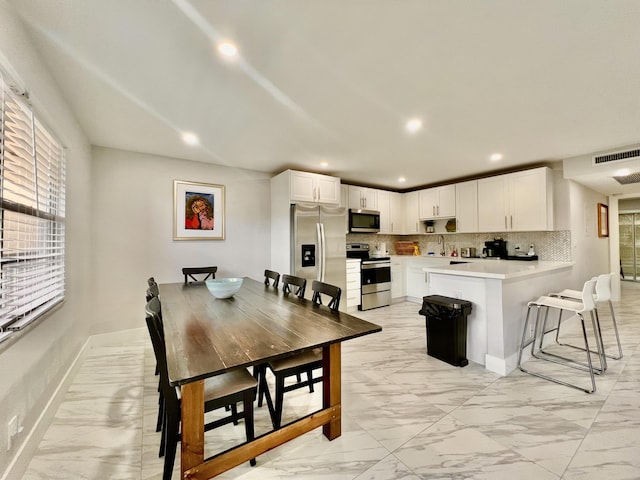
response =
{"points": [[615, 329]]}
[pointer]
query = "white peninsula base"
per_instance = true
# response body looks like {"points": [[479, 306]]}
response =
{"points": [[499, 291]]}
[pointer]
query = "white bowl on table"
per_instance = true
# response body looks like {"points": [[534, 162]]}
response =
{"points": [[224, 287]]}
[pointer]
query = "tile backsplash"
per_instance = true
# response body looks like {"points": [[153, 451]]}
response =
{"points": [[551, 246]]}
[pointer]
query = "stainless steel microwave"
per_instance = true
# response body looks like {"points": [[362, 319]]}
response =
{"points": [[364, 221]]}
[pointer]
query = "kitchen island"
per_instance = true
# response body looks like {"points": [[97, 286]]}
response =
{"points": [[499, 291]]}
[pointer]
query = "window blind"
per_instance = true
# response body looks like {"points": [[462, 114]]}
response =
{"points": [[32, 211]]}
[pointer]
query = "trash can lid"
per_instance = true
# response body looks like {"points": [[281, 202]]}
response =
{"points": [[450, 302]]}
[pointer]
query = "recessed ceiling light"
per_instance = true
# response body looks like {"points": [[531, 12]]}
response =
{"points": [[324, 164], [495, 157], [190, 138], [228, 49], [413, 125], [622, 173], [401, 179]]}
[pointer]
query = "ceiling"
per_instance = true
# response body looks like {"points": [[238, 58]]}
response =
{"points": [[336, 80]]}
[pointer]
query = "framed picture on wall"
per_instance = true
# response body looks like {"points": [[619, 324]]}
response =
{"points": [[603, 220], [198, 211]]}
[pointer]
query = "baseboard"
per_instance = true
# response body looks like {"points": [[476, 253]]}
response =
{"points": [[20, 462]]}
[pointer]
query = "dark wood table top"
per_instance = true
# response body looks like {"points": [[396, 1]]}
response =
{"points": [[206, 336]]}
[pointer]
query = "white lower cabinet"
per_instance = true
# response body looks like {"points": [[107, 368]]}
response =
{"points": [[398, 274], [353, 284], [416, 281]]}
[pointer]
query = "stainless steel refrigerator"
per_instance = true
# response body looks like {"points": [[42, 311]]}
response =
{"points": [[318, 240]]}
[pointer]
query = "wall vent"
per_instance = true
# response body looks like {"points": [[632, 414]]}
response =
{"points": [[628, 179], [616, 157]]}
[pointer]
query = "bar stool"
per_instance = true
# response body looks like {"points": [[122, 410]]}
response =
{"points": [[578, 308], [603, 294]]}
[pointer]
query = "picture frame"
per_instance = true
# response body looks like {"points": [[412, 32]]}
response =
{"points": [[198, 211], [603, 220]]}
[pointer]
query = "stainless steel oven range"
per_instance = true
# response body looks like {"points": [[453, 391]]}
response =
{"points": [[375, 277]]}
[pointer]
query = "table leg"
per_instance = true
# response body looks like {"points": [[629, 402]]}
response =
{"points": [[331, 389], [192, 444]]}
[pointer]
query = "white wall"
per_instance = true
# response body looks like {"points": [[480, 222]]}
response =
{"points": [[133, 229], [589, 252], [33, 362]]}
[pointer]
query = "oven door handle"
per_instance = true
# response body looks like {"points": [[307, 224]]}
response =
{"points": [[368, 266]]}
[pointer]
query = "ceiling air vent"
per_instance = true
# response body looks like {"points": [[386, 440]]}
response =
{"points": [[628, 179], [616, 157]]}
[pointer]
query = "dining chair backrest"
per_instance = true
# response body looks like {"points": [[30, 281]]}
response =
{"points": [[603, 287], [299, 285], [154, 326], [152, 291], [271, 276], [154, 307], [329, 290], [191, 272], [588, 300]]}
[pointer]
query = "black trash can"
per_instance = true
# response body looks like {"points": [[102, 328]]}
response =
{"points": [[446, 322]]}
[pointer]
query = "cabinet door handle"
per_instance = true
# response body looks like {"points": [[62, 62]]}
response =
{"points": [[416, 227], [438, 210], [511, 217], [505, 222], [433, 210]]}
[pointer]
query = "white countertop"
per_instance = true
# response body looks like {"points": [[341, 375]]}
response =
{"points": [[498, 269]]}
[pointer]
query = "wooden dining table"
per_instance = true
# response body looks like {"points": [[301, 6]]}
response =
{"points": [[206, 336]]}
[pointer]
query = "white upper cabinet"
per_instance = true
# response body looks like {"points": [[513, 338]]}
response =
{"points": [[439, 202], [391, 213], [516, 202], [412, 213], [362, 198], [467, 207], [314, 187], [384, 206], [397, 213]]}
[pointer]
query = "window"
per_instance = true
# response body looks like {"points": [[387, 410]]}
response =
{"points": [[32, 206]]}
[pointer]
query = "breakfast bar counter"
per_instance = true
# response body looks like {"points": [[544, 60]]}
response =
{"points": [[499, 291], [499, 269]]}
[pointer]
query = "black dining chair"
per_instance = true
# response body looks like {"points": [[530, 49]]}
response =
{"points": [[333, 292], [293, 284], [220, 391], [154, 307], [296, 286], [191, 272], [271, 276], [296, 365]]}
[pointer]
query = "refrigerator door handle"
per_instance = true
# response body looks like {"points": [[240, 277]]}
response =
{"points": [[320, 255], [323, 253]]}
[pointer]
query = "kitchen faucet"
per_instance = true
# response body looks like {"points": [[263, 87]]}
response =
{"points": [[441, 242]]}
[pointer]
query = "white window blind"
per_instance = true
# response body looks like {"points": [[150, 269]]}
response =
{"points": [[32, 210]]}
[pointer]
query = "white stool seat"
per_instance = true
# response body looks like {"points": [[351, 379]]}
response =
{"points": [[560, 303], [543, 304], [568, 293]]}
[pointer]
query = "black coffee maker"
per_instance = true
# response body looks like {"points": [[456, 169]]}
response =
{"points": [[495, 248]]}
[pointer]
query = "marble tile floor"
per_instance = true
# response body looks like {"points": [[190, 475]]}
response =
{"points": [[405, 416]]}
